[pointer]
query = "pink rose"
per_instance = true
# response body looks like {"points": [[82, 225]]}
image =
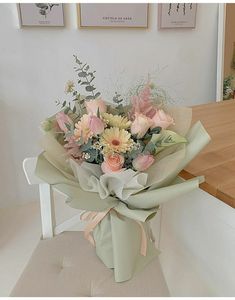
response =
{"points": [[112, 163], [140, 125], [162, 119], [63, 119], [96, 125], [92, 106], [142, 162]]}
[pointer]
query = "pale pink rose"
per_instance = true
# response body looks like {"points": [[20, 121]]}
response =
{"points": [[162, 119], [96, 125], [92, 106], [142, 162], [63, 119], [112, 163], [140, 125]]}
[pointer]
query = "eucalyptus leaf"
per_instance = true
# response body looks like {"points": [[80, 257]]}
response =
{"points": [[82, 74], [66, 110], [90, 97], [97, 95], [90, 88]]}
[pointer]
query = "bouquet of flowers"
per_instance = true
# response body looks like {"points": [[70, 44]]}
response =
{"points": [[118, 162]]}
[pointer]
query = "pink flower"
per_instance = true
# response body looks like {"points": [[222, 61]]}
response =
{"points": [[63, 119], [112, 163], [142, 162], [140, 125], [162, 119], [142, 103], [82, 129], [92, 106], [96, 125], [72, 147]]}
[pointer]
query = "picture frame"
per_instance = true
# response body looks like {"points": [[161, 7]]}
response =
{"points": [[177, 15], [113, 15], [41, 14]]}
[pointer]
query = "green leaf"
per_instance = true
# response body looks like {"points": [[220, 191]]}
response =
{"points": [[82, 74], [63, 104], [90, 97], [150, 148], [90, 88], [166, 138], [68, 126], [98, 112], [66, 110], [74, 109], [155, 130], [97, 95], [87, 146], [85, 83]]}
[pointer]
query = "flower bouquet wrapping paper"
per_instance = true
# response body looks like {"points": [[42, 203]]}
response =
{"points": [[118, 162]]}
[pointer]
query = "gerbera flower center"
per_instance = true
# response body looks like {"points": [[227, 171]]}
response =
{"points": [[115, 142]]}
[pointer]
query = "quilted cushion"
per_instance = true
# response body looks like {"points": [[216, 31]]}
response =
{"points": [[68, 266]]}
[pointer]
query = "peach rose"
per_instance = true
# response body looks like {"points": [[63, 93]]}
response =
{"points": [[162, 119], [92, 106], [112, 163], [140, 125], [63, 119], [142, 162]]}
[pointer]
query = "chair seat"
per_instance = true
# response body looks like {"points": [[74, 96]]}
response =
{"points": [[68, 266]]}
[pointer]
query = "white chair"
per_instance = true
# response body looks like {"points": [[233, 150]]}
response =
{"points": [[65, 264]]}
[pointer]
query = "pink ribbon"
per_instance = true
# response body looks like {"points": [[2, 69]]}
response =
{"points": [[94, 218]]}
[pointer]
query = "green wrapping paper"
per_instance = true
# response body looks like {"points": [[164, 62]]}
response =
{"points": [[118, 236]]}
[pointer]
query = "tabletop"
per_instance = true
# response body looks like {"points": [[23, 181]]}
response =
{"points": [[217, 160]]}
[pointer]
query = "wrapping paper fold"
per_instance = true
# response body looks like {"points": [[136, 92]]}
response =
{"points": [[130, 197]]}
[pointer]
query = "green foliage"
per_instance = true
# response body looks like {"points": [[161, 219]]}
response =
{"points": [[165, 139], [85, 78], [228, 87]]}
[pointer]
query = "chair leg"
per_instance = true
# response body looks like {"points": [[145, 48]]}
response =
{"points": [[47, 210]]}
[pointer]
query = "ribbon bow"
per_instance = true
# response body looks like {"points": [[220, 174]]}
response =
{"points": [[94, 218]]}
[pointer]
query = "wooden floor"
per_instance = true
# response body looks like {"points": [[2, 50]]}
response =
{"points": [[217, 161]]}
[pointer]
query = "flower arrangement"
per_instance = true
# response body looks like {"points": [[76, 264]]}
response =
{"points": [[116, 136], [118, 161]]}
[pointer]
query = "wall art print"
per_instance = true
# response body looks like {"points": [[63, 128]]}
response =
{"points": [[41, 14], [177, 15], [113, 15]]}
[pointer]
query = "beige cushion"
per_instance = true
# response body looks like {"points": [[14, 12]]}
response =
{"points": [[68, 266]]}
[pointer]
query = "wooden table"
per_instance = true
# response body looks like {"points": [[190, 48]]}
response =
{"points": [[217, 161]]}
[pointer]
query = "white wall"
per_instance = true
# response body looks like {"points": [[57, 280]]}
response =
{"points": [[35, 63]]}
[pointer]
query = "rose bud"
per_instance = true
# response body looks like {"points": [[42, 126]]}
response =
{"points": [[92, 106], [142, 162], [96, 125], [63, 119]]}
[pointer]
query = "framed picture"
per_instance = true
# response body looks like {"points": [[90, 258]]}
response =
{"points": [[177, 15], [111, 15], [41, 14]]}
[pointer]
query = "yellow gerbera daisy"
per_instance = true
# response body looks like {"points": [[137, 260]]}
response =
{"points": [[116, 121], [116, 140]]}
